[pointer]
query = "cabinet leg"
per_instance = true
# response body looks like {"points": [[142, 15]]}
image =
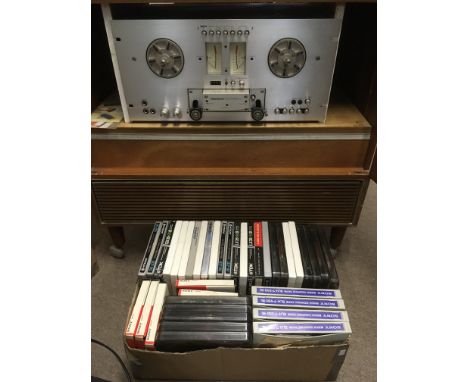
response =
{"points": [[118, 240], [336, 236]]}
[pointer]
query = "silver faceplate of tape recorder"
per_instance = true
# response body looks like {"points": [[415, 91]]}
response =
{"points": [[225, 70]]}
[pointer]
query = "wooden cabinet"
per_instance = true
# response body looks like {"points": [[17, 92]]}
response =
{"points": [[311, 172]]}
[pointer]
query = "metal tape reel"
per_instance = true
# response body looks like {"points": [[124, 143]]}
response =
{"points": [[287, 57], [165, 58]]}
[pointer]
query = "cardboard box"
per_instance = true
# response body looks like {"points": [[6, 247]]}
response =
{"points": [[318, 363]]}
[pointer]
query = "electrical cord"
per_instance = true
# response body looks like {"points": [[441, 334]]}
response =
{"points": [[127, 373]]}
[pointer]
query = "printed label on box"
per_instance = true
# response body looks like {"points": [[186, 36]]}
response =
{"points": [[300, 327], [297, 302], [297, 292], [302, 314]]}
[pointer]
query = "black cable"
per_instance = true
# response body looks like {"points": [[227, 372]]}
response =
{"points": [[127, 373]]}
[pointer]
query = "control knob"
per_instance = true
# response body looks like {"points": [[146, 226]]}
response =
{"points": [[277, 110], [257, 114], [165, 112], [177, 112], [196, 114]]}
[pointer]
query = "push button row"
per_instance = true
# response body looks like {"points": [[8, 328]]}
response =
{"points": [[225, 32], [291, 110]]}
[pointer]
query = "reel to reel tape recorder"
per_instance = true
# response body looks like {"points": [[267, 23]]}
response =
{"points": [[225, 66]]}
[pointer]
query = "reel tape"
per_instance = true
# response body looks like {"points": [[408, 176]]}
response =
{"points": [[224, 69], [286, 58], [165, 58]]}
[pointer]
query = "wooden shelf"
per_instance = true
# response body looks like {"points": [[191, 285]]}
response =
{"points": [[228, 173], [308, 172], [342, 116], [335, 148]]}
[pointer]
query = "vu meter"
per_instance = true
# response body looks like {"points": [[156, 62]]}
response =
{"points": [[237, 58], [214, 55]]}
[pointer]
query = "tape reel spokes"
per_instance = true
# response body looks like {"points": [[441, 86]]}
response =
{"points": [[165, 58], [287, 57]]}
